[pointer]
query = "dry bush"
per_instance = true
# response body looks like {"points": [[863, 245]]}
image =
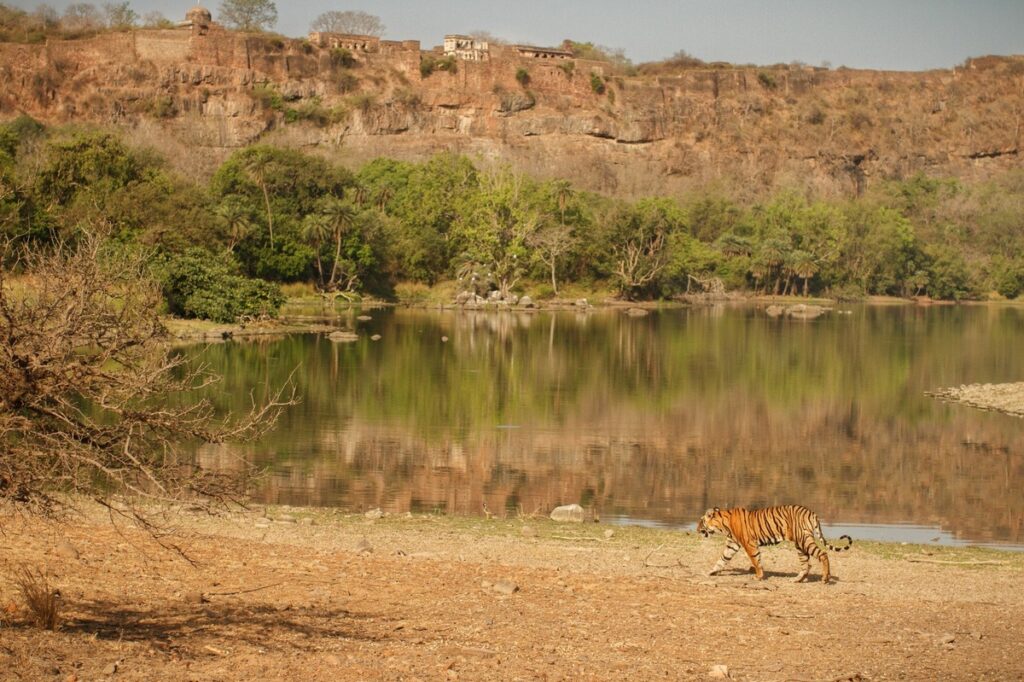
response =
{"points": [[41, 601], [90, 395]]}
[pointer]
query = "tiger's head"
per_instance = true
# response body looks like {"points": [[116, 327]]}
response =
{"points": [[713, 521]]}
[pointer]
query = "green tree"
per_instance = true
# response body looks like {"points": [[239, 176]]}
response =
{"points": [[639, 242], [249, 15], [203, 285], [496, 234]]}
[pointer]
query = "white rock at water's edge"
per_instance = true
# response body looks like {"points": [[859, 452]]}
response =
{"points": [[568, 512]]}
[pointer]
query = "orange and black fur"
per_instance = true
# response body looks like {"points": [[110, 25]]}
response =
{"points": [[755, 528]]}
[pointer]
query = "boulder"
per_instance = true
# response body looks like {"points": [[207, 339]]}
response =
{"points": [[801, 311], [526, 302], [569, 513]]}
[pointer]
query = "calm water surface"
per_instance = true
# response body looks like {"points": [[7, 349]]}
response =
{"points": [[650, 419]]}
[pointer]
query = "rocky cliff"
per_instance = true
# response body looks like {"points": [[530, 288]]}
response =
{"points": [[199, 94]]}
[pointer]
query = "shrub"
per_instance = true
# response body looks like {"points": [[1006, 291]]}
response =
{"points": [[41, 601], [268, 97], [200, 285], [568, 68], [596, 83], [343, 58], [522, 77], [815, 116], [767, 80], [163, 107], [430, 64]]}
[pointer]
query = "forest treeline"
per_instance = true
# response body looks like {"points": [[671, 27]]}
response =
{"points": [[272, 215]]}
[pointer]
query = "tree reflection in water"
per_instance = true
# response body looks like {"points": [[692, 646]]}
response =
{"points": [[651, 418]]}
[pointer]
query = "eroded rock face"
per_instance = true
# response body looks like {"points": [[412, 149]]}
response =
{"points": [[839, 131]]}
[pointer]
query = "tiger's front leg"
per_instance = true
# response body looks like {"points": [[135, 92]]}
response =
{"points": [[731, 548], [754, 553]]}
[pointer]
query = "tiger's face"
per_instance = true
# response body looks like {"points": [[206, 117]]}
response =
{"points": [[712, 522]]}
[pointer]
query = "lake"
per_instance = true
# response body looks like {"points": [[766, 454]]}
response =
{"points": [[647, 419]]}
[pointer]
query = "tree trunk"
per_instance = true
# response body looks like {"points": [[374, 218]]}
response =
{"points": [[270, 214], [337, 256]]}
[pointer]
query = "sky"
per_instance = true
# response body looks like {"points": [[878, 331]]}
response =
{"points": [[903, 35]]}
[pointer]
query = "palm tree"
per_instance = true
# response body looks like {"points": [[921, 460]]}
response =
{"points": [[315, 230], [384, 194], [563, 193], [338, 215], [234, 216], [803, 265], [258, 166]]}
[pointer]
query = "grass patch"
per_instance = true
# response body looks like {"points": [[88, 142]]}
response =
{"points": [[42, 602]]}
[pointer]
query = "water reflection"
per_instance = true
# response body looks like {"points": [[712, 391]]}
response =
{"points": [[652, 418]]}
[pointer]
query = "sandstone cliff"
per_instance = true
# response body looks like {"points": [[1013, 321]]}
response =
{"points": [[199, 94]]}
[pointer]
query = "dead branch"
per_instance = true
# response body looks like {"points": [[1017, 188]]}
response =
{"points": [[87, 395]]}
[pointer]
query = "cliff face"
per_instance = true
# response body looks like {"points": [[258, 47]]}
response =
{"points": [[199, 94]]}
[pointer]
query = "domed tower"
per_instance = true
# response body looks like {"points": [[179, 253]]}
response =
{"points": [[199, 17]]}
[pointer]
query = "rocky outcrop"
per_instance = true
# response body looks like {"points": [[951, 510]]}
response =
{"points": [[835, 130]]}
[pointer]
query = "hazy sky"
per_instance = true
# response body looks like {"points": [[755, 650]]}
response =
{"points": [[880, 34]]}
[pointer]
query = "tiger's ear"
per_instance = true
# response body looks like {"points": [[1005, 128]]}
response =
{"points": [[716, 510]]}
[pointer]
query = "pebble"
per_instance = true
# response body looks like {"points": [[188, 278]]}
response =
{"points": [[505, 587], [947, 639], [528, 532], [306, 521], [719, 672], [67, 550], [374, 514], [364, 546], [364, 318], [285, 518], [375, 337], [112, 668], [609, 534], [331, 659], [444, 339]]}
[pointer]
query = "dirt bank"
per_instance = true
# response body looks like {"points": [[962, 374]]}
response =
{"points": [[318, 595]]}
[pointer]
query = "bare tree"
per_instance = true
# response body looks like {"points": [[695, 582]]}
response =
{"points": [[350, 21], [120, 15], [249, 15], [81, 16], [87, 393], [551, 243]]}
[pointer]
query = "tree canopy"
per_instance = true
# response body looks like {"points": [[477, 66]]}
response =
{"points": [[249, 15], [348, 21]]}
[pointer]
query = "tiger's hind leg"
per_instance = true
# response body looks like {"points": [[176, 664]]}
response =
{"points": [[805, 566], [809, 548], [730, 551]]}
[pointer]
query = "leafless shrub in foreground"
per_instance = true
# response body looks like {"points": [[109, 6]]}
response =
{"points": [[41, 601], [90, 395]]}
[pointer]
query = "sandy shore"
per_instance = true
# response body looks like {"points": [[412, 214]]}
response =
{"points": [[319, 595]]}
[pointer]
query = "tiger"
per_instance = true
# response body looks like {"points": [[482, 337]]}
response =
{"points": [[756, 528]]}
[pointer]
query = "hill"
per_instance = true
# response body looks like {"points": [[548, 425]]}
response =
{"points": [[201, 88]]}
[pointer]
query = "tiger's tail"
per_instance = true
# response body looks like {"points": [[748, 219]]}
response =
{"points": [[819, 537]]}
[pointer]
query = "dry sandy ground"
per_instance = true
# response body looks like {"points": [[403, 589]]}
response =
{"points": [[304, 598]]}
